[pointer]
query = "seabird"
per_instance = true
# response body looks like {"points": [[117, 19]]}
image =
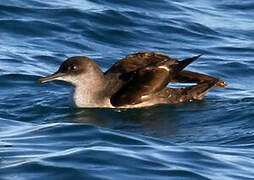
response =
{"points": [[138, 80]]}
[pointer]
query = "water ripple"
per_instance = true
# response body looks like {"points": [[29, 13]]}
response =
{"points": [[42, 135]]}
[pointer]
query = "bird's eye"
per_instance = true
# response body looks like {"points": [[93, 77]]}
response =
{"points": [[73, 68]]}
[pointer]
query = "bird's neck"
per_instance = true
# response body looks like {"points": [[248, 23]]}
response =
{"points": [[91, 92]]}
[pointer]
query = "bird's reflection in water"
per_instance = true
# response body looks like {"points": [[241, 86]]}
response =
{"points": [[157, 121]]}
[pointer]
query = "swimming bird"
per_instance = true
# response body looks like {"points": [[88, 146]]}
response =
{"points": [[138, 80]]}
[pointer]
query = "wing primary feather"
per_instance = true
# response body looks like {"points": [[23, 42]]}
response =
{"points": [[186, 62]]}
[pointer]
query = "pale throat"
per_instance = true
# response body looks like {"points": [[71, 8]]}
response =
{"points": [[90, 94]]}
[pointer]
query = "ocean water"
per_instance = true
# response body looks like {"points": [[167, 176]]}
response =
{"points": [[43, 136]]}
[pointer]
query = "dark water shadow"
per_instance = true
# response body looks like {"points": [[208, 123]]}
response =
{"points": [[156, 121]]}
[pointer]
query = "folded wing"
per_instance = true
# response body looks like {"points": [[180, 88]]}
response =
{"points": [[144, 82]]}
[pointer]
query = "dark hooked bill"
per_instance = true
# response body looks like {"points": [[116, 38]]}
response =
{"points": [[50, 78]]}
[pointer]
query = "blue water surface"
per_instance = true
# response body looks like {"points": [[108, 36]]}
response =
{"points": [[43, 136]]}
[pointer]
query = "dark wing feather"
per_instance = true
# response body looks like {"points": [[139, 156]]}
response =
{"points": [[124, 70], [144, 83], [194, 77], [141, 75], [136, 61]]}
